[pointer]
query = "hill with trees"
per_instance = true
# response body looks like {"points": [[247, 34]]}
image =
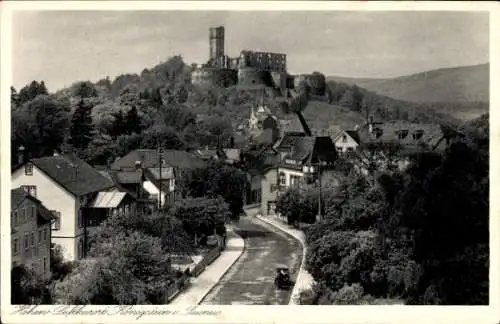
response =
{"points": [[106, 119], [460, 91]]}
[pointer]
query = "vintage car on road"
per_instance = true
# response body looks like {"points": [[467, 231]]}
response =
{"points": [[282, 279]]}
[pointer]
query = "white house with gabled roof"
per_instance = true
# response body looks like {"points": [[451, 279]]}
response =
{"points": [[68, 187]]}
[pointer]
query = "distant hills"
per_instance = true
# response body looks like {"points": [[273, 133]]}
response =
{"points": [[434, 96], [461, 92], [458, 84]]}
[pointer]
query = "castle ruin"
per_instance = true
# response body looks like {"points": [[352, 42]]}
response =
{"points": [[250, 68]]}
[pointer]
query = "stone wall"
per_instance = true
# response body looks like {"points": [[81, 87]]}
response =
{"points": [[211, 76], [251, 77]]}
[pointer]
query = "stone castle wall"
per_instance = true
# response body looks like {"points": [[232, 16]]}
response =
{"points": [[251, 77], [212, 76]]}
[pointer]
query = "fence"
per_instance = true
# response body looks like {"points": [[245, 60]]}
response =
{"points": [[208, 258], [176, 287]]}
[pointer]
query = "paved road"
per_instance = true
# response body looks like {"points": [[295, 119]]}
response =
{"points": [[251, 279]]}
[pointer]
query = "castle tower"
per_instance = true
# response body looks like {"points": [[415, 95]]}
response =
{"points": [[216, 39]]}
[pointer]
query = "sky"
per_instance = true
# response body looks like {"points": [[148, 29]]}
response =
{"points": [[62, 47]]}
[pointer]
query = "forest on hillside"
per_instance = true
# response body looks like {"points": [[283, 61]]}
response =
{"points": [[105, 119]]}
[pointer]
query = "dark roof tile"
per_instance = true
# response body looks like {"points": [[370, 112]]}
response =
{"points": [[149, 158], [431, 133], [73, 174]]}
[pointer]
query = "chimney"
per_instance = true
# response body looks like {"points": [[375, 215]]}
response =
{"points": [[370, 125], [231, 143], [77, 171], [20, 155], [138, 165], [356, 128]]}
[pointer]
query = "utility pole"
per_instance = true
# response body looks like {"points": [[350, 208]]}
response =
{"points": [[160, 151], [319, 216]]}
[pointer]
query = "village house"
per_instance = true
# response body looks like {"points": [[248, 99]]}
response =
{"points": [[346, 140], [302, 159], [391, 144], [73, 191], [30, 224], [152, 176]]}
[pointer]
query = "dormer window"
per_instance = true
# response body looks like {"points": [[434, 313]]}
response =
{"points": [[402, 134], [418, 134], [28, 169], [344, 138], [377, 132]]}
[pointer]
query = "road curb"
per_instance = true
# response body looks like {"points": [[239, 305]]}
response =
{"points": [[225, 271], [295, 291]]}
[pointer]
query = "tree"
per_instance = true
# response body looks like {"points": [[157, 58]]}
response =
{"points": [[58, 267], [201, 216], [159, 224], [181, 94], [27, 287], [217, 179], [119, 126], [84, 89], [123, 269], [40, 125], [133, 121], [82, 128], [448, 196], [161, 135], [14, 97], [31, 91], [155, 99]]}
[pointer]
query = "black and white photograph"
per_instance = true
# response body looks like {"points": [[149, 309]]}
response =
{"points": [[245, 157]]}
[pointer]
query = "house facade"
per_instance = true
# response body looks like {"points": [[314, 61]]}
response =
{"points": [[386, 145], [269, 187], [302, 159], [65, 185], [346, 141], [30, 225], [153, 175]]}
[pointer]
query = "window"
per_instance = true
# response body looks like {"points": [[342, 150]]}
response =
{"points": [[15, 246], [45, 264], [30, 190], [350, 149], [45, 234], [80, 218], [402, 134], [26, 241], [294, 180], [39, 236], [36, 251], [56, 222], [32, 238], [418, 134], [80, 248], [33, 213], [14, 221], [28, 169], [23, 215], [282, 179], [344, 138]]}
